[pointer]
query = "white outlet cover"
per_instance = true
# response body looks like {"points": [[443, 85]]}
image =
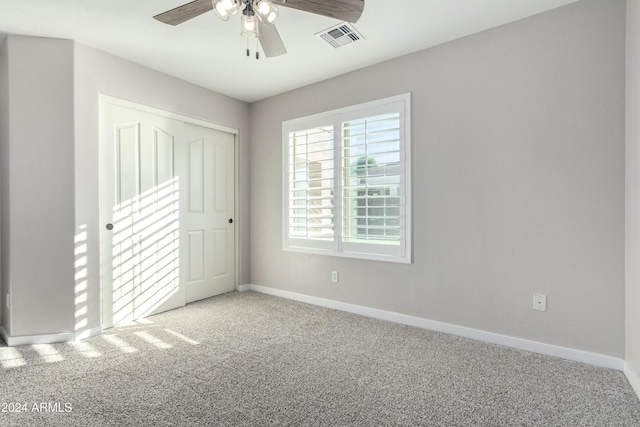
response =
{"points": [[540, 302]]}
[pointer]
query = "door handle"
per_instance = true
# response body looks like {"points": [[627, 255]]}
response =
{"points": [[230, 220], [109, 226]]}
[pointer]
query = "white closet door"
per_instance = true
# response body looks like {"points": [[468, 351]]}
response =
{"points": [[209, 221], [140, 193], [167, 195]]}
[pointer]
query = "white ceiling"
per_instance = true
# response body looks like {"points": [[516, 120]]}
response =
{"points": [[211, 53]]}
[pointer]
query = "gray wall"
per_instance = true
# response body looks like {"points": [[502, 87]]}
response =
{"points": [[518, 182], [38, 185], [632, 356], [4, 168]]}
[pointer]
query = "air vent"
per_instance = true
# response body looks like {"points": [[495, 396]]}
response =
{"points": [[340, 35]]}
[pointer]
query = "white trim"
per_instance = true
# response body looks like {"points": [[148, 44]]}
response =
{"points": [[49, 338], [633, 377], [243, 288], [165, 113], [476, 334], [236, 207]]}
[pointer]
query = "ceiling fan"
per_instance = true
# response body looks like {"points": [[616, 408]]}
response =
{"points": [[258, 16]]}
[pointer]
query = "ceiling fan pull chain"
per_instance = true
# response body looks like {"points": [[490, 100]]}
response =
{"points": [[257, 50]]}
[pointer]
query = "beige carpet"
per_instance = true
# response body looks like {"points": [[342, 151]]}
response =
{"points": [[252, 359]]}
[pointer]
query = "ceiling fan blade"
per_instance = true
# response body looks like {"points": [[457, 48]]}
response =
{"points": [[270, 40], [344, 10], [185, 12]]}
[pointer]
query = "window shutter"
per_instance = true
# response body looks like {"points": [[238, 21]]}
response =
{"points": [[347, 182], [371, 180], [311, 184]]}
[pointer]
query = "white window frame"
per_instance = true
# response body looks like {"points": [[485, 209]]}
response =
{"points": [[378, 252]]}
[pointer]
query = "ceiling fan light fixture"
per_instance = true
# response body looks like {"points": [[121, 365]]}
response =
{"points": [[267, 11], [249, 26], [225, 8]]}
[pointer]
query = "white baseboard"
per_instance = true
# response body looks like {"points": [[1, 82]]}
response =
{"points": [[633, 377], [13, 341], [490, 337], [243, 288]]}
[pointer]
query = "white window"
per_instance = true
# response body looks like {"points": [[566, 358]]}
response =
{"points": [[347, 182]]}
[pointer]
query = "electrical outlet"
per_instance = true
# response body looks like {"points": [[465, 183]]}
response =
{"points": [[334, 276], [540, 302]]}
